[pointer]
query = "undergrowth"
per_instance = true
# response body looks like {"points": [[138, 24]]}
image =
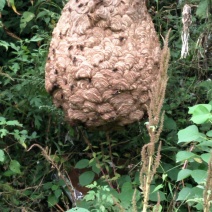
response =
{"points": [[76, 169]]}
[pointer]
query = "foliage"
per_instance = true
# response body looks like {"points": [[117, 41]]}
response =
{"points": [[195, 160], [38, 179]]}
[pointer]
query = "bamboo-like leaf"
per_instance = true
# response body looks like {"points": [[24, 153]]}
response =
{"points": [[12, 4]]}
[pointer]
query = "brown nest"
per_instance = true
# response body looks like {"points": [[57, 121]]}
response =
{"points": [[103, 59]]}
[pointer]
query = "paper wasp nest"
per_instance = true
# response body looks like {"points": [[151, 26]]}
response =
{"points": [[102, 61]]}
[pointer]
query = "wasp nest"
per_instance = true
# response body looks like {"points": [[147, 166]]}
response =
{"points": [[103, 60]]}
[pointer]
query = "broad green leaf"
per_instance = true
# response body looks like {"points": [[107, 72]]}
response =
{"points": [[188, 134], [184, 173], [95, 169], [184, 155], [2, 156], [82, 164], [206, 143], [78, 210], [126, 194], [52, 200], [26, 17], [201, 114], [86, 178], [198, 107], [184, 194], [209, 133], [15, 166], [199, 176], [14, 123], [2, 4], [126, 187], [206, 157]]}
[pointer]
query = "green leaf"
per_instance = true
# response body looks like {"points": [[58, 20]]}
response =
{"points": [[188, 134], [26, 17], [206, 157], [157, 208], [202, 9], [14, 123], [54, 187], [184, 173], [86, 178], [184, 194], [57, 193], [12, 3], [154, 196], [2, 120], [201, 113], [2, 155], [157, 188], [4, 43], [169, 124], [52, 200], [2, 4], [82, 164], [199, 176], [95, 169], [184, 155], [209, 133], [78, 210], [198, 108], [3, 132], [47, 185], [205, 143], [36, 38], [15, 166]]}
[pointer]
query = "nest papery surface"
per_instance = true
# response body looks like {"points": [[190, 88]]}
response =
{"points": [[103, 59]]}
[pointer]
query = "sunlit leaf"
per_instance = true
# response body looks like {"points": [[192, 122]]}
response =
{"points": [[188, 134], [184, 155]]}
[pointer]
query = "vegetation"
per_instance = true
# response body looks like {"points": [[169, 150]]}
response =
{"points": [[45, 164]]}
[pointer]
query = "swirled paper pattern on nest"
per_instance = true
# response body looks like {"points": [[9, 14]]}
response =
{"points": [[103, 59]]}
